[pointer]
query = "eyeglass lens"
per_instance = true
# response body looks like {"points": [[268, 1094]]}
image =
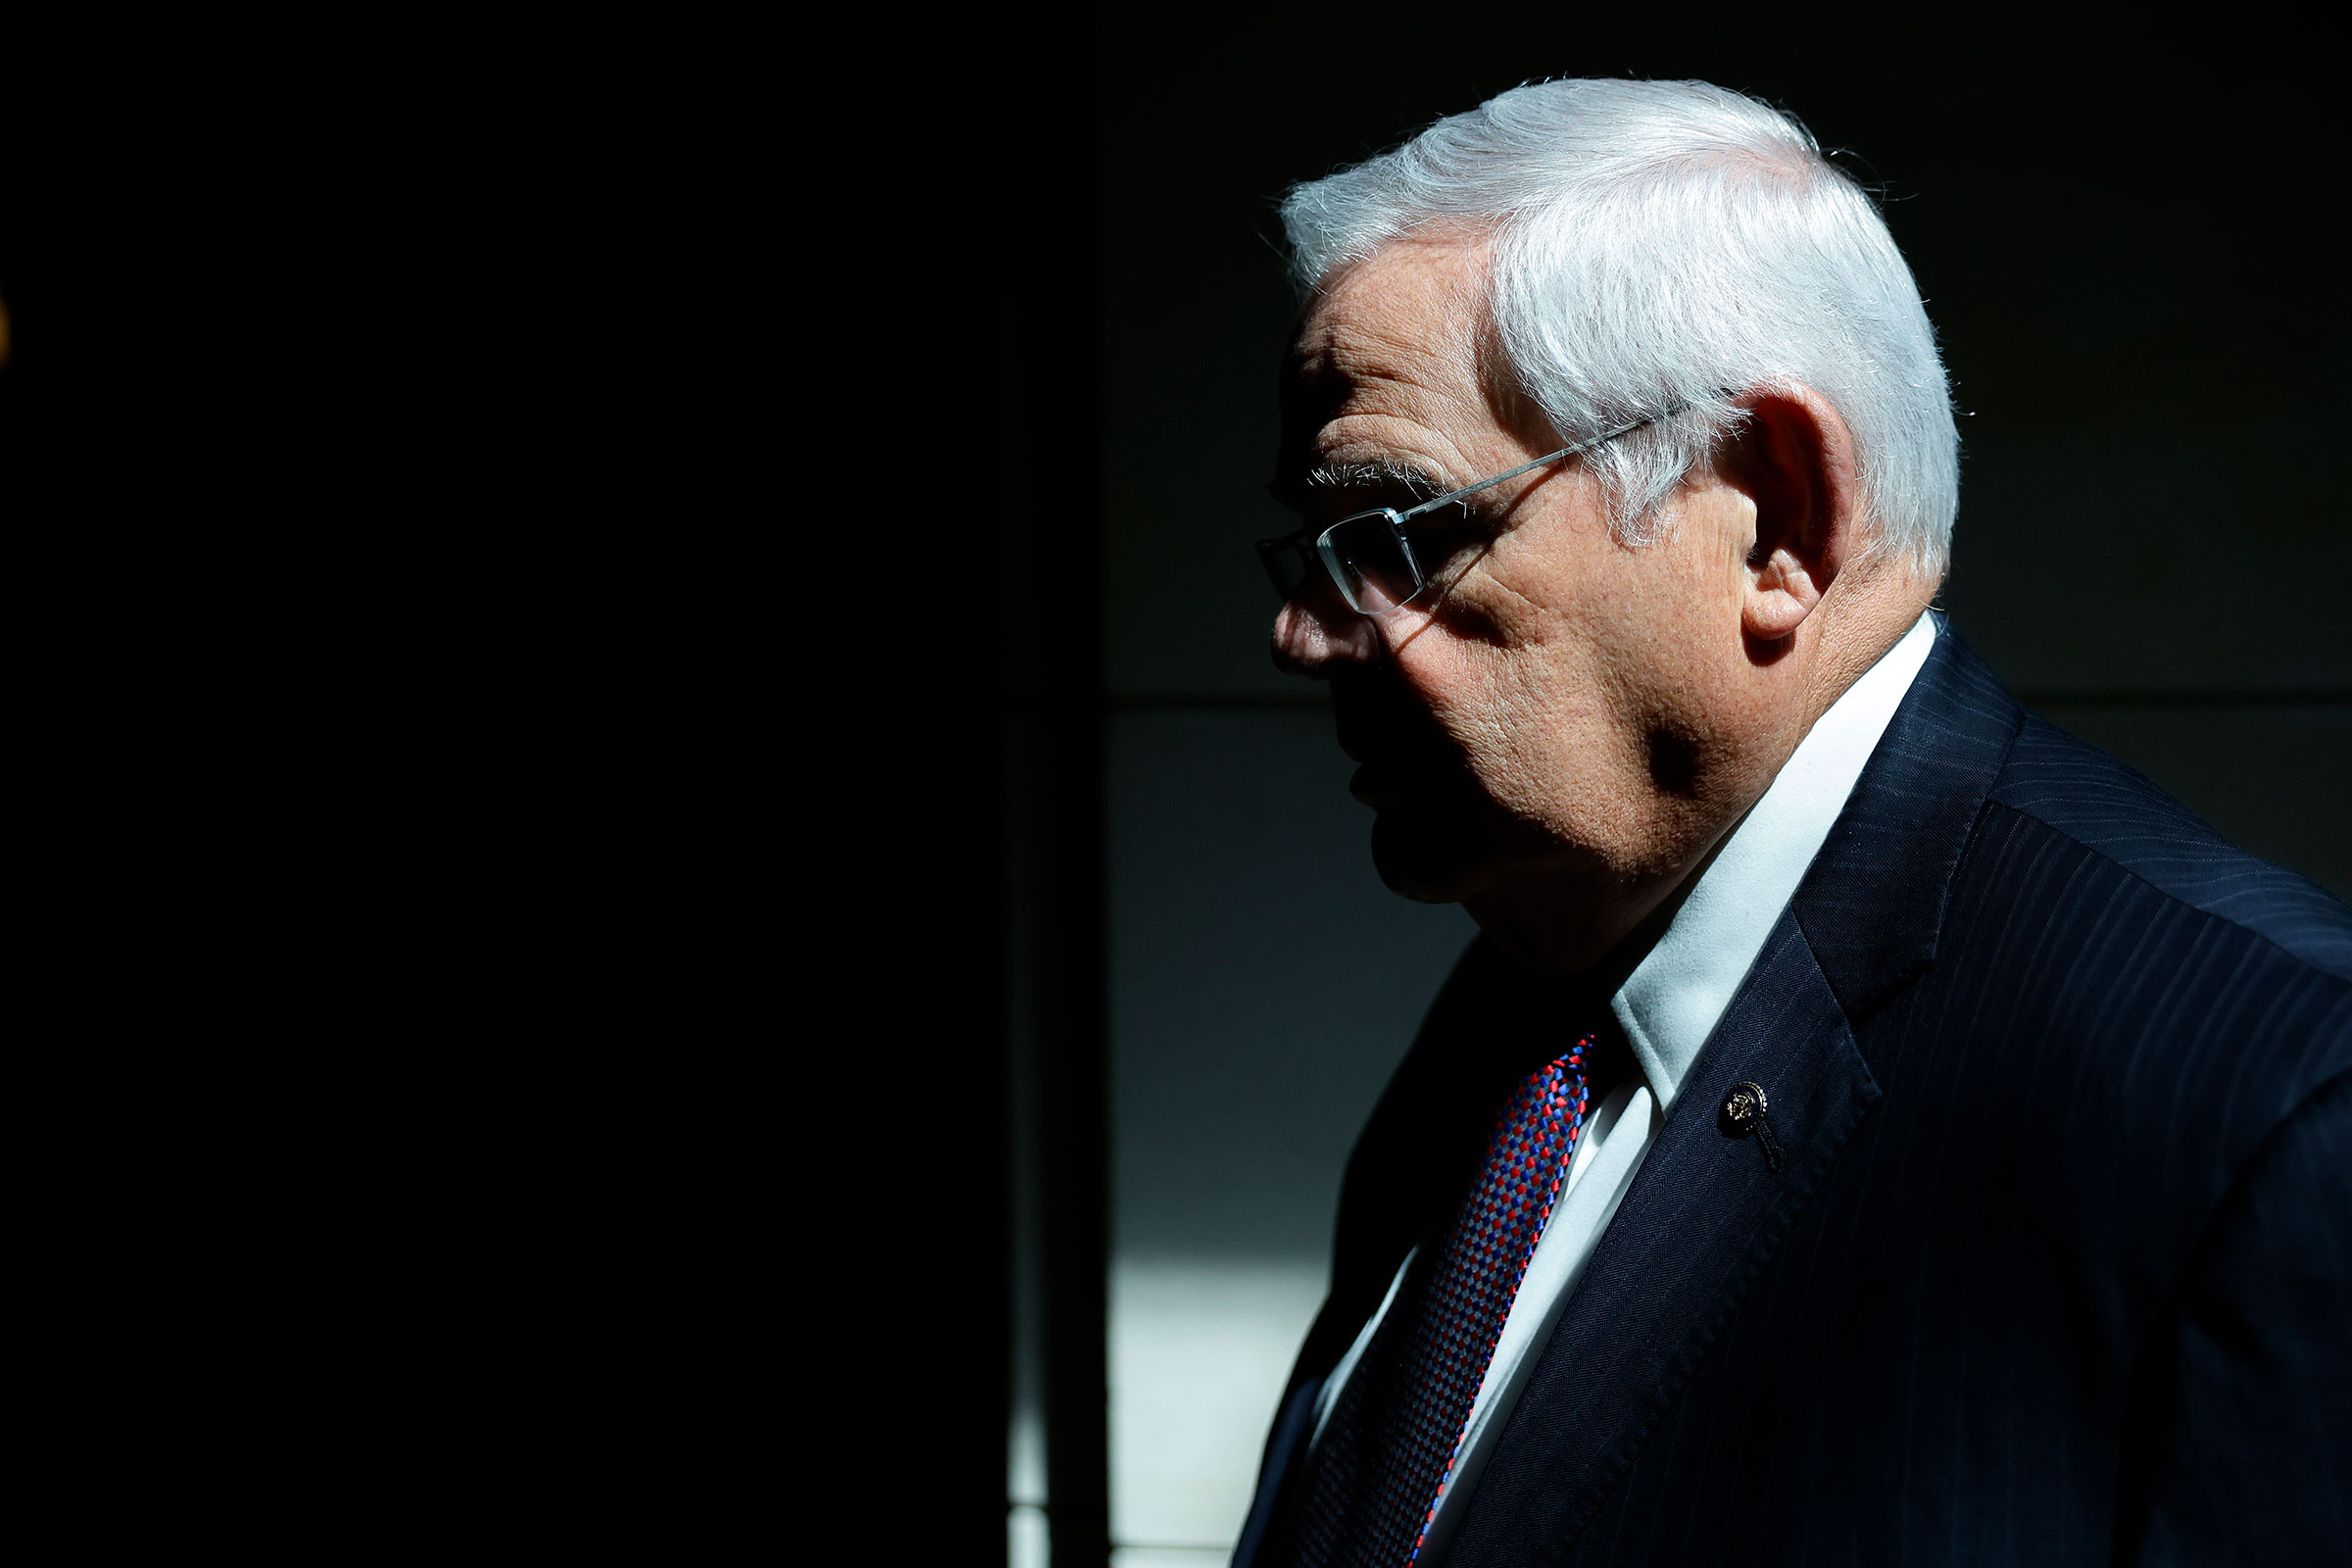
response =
{"points": [[1365, 556], [1286, 563], [1368, 557]]}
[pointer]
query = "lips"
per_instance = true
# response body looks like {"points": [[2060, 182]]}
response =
{"points": [[1406, 760], [1384, 783], [1413, 781]]}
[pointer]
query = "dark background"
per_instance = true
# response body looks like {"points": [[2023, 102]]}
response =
{"points": [[626, 623], [464, 1074]]}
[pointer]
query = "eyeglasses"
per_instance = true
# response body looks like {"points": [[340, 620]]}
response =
{"points": [[1369, 557]]}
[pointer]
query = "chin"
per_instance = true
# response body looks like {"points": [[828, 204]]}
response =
{"points": [[1430, 856]]}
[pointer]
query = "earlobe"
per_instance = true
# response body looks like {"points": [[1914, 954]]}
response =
{"points": [[1781, 593]]}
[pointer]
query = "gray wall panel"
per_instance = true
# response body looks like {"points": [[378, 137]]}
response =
{"points": [[1263, 982]]}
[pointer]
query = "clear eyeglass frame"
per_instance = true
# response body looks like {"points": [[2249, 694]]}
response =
{"points": [[1368, 555]]}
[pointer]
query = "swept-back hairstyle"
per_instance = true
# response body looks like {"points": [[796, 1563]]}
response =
{"points": [[1665, 244]]}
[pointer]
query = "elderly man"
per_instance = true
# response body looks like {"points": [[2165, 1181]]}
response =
{"points": [[1872, 1127]]}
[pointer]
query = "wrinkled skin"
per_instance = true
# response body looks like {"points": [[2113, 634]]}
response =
{"points": [[1557, 732]]}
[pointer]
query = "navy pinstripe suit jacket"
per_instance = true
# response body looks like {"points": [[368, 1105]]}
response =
{"points": [[2059, 1268]]}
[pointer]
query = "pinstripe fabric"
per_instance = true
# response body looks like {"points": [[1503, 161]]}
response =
{"points": [[2060, 1269]]}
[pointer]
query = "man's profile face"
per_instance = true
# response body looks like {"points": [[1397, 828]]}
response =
{"points": [[1548, 704]]}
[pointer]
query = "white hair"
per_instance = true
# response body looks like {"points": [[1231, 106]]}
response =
{"points": [[1657, 244]]}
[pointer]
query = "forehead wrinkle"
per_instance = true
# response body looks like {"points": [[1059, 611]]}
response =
{"points": [[1411, 410], [1410, 437], [1416, 381], [1383, 379], [1396, 353]]}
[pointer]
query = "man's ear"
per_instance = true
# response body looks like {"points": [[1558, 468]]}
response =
{"points": [[1796, 459]]}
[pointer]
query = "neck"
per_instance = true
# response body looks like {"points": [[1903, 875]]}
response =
{"points": [[1566, 925]]}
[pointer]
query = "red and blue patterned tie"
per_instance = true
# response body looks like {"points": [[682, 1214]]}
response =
{"points": [[1392, 1441]]}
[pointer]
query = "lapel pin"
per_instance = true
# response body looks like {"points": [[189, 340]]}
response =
{"points": [[1742, 1113]]}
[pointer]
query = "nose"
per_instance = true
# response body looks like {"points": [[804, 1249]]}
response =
{"points": [[1314, 632]]}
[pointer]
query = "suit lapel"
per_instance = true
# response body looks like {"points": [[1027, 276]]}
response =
{"points": [[1705, 1214], [1494, 1023], [1870, 906]]}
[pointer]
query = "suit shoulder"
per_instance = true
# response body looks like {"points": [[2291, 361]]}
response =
{"points": [[2120, 815], [2126, 946]]}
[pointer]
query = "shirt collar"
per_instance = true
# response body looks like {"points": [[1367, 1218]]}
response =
{"points": [[1676, 996]]}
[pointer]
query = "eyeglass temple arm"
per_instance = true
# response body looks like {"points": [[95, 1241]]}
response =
{"points": [[1604, 437]]}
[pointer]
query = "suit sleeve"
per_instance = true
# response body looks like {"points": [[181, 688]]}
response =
{"points": [[2245, 1453]]}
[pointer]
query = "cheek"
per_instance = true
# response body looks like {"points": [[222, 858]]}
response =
{"points": [[1529, 715]]}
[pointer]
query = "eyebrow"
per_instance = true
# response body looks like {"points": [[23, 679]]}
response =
{"points": [[1378, 471]]}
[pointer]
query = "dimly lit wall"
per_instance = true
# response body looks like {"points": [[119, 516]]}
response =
{"points": [[2123, 237], [470, 976]]}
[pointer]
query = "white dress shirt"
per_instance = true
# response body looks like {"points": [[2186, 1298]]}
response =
{"points": [[1668, 1006]]}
